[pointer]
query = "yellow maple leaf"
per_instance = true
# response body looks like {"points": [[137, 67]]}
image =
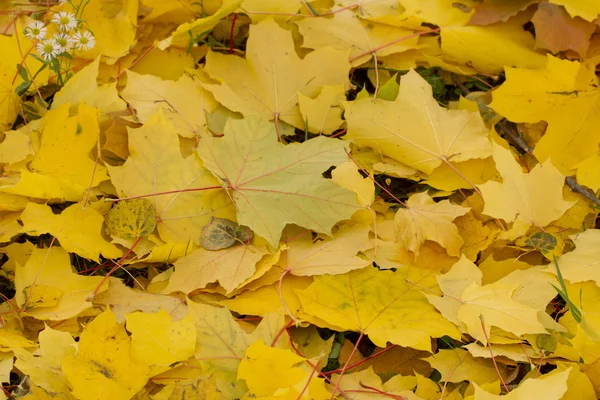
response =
{"points": [[322, 255], [533, 199], [465, 300], [220, 339], [588, 172], [124, 300], [156, 165], [384, 305], [585, 10], [103, 366], [185, 33], [347, 175], [268, 80], [83, 88], [17, 145], [158, 340], [261, 9], [50, 289], [184, 101], [415, 130], [114, 26], [279, 373], [564, 94], [581, 264], [230, 267], [457, 365], [490, 48], [9, 226], [323, 114], [265, 177], [364, 38], [550, 387], [45, 368], [13, 48], [62, 167], [79, 230], [423, 219], [173, 12]]}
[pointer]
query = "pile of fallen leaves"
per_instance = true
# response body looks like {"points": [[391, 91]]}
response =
{"points": [[296, 199]]}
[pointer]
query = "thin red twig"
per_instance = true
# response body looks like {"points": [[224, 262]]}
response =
{"points": [[231, 33], [489, 346], [337, 384]]}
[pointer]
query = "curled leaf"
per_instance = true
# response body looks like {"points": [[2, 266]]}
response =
{"points": [[221, 233], [132, 219]]}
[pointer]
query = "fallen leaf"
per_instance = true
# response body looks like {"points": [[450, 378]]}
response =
{"points": [[534, 199], [78, 229], [256, 85], [415, 130], [155, 166], [102, 366], [184, 102], [265, 176], [385, 305], [423, 219], [49, 288]]}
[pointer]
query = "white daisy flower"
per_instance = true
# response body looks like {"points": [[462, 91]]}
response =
{"points": [[84, 40], [64, 41], [37, 30], [48, 49], [65, 21]]}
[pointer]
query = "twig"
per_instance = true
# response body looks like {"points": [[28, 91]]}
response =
{"points": [[489, 346]]}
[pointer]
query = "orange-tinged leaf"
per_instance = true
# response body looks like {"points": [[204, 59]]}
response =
{"points": [[492, 11], [103, 367], [156, 165], [556, 31], [423, 219], [415, 130], [78, 229], [268, 80], [535, 198], [385, 305], [265, 178]]}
